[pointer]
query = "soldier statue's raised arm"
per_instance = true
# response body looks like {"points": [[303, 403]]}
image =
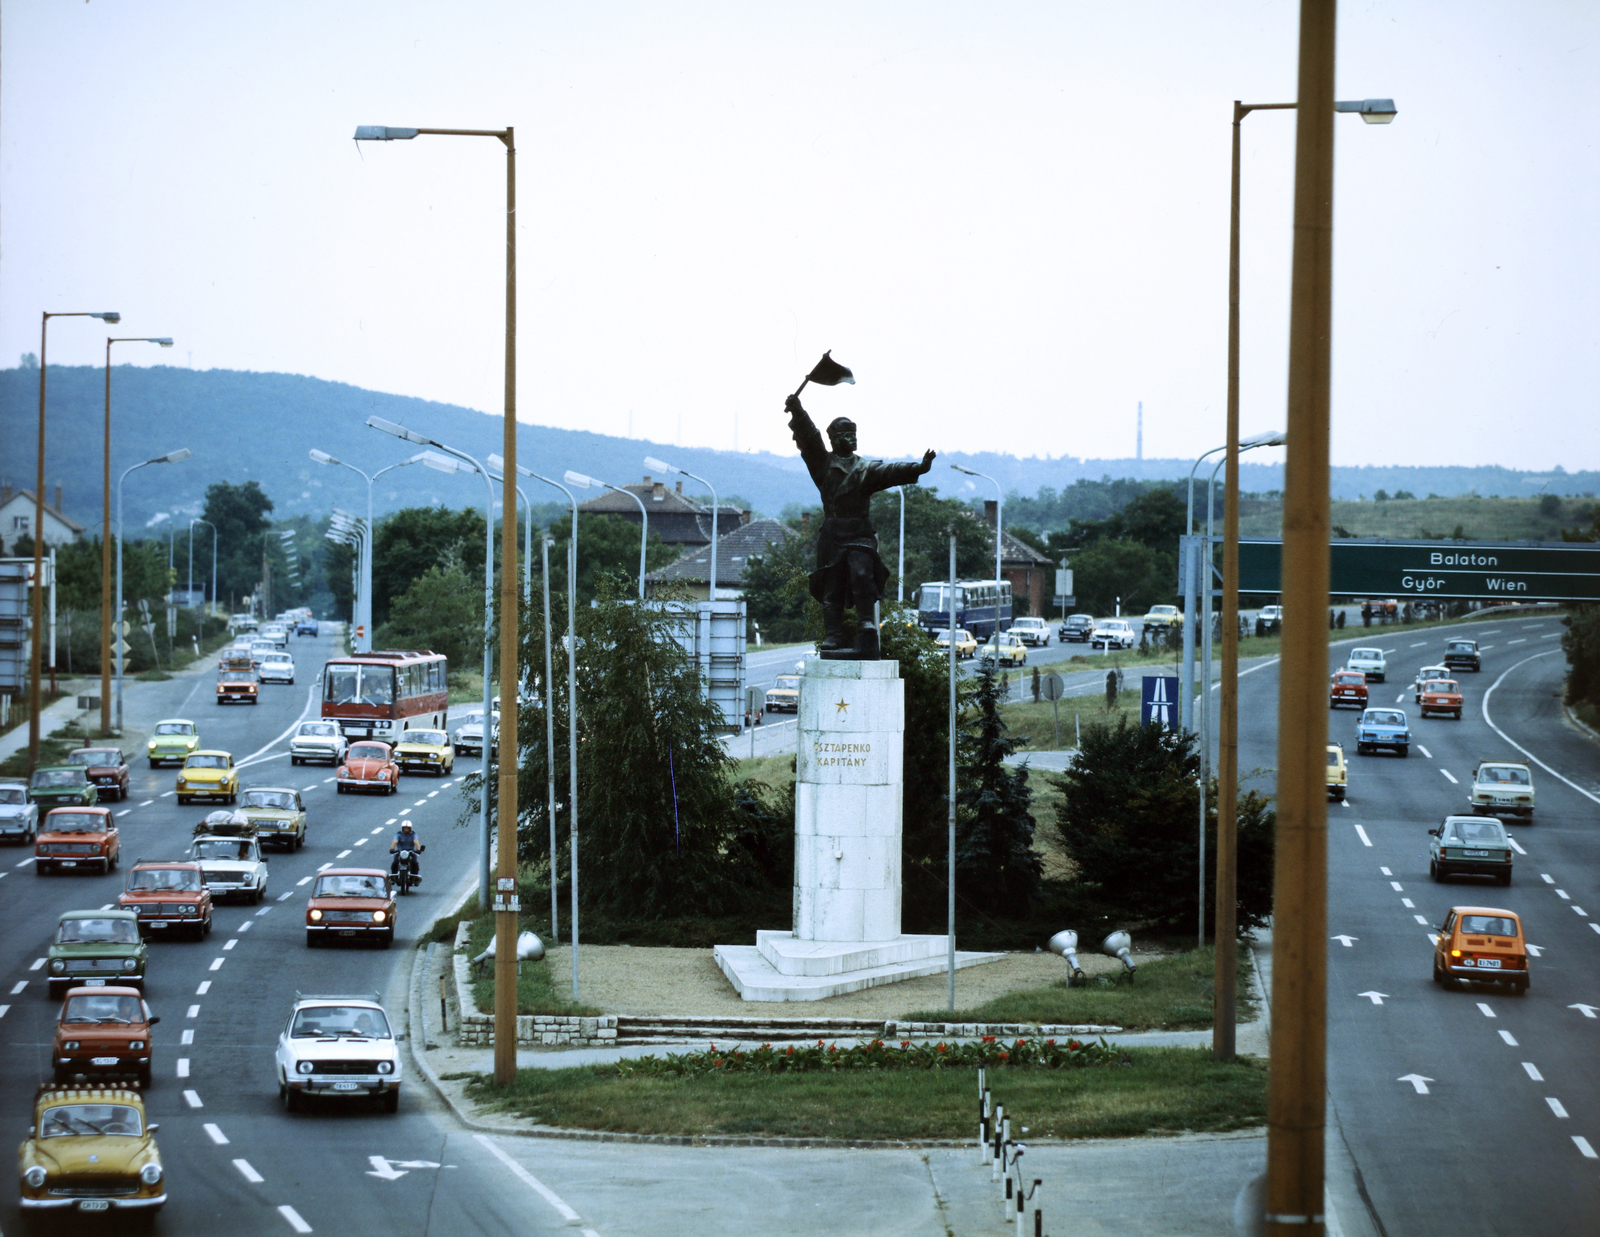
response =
{"points": [[849, 571]]}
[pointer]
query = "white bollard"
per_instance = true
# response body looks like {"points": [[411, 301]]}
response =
{"points": [[1038, 1210], [983, 1124], [995, 1142]]}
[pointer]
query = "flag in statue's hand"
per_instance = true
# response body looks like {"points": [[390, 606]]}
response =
{"points": [[827, 373]]}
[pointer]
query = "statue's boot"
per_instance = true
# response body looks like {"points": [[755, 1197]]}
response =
{"points": [[832, 628], [867, 642]]}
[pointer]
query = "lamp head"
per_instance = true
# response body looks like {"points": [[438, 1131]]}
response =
{"points": [[176, 457], [651, 462], [968, 471], [108, 317], [1119, 945], [578, 479], [497, 462], [1272, 438], [399, 431], [441, 463], [383, 133], [529, 947], [164, 340], [322, 457], [1372, 111]]}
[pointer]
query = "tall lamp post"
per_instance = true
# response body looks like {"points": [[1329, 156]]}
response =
{"points": [[1225, 981], [105, 525], [497, 468], [213, 528], [505, 955], [36, 601], [900, 566], [584, 483], [651, 462], [172, 457], [998, 505]]}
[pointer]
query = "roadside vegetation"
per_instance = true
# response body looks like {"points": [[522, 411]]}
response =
{"points": [[1402, 514]]}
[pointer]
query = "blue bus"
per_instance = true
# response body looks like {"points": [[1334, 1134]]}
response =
{"points": [[982, 606]]}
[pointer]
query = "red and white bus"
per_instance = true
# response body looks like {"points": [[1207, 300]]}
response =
{"points": [[379, 695]]}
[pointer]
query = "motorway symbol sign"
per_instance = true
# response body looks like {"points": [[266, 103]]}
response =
{"points": [[1375, 997], [1158, 705], [1498, 570], [1586, 1010], [1417, 1081], [1346, 941]]}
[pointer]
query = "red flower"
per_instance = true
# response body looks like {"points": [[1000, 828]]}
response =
{"points": [[988, 1039], [905, 1043], [1020, 1043], [789, 1050], [941, 1047], [1051, 1042], [1005, 1056]]}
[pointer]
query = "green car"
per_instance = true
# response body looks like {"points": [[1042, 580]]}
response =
{"points": [[62, 786], [172, 740], [278, 814], [96, 948]]}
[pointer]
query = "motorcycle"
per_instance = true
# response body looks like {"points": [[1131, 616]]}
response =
{"points": [[407, 871]]}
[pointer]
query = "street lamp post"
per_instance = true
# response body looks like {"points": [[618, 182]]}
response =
{"points": [[361, 599], [505, 956], [998, 505], [900, 566], [550, 743], [499, 466], [172, 457], [105, 527], [584, 483], [213, 528], [36, 600], [1225, 983], [662, 466]]}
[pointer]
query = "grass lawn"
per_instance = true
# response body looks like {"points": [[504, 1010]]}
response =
{"points": [[1165, 994], [1159, 1091], [537, 992], [1480, 517], [53, 749]]}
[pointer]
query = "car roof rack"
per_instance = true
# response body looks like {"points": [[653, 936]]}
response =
{"points": [[337, 996]]}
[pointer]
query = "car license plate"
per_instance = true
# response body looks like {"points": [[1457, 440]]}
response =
{"points": [[1489, 962], [157, 923], [93, 1204], [347, 931], [1476, 854], [68, 863], [94, 983], [103, 1060], [346, 1086]]}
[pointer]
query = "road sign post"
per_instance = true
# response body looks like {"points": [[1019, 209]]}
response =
{"points": [[1053, 689]]}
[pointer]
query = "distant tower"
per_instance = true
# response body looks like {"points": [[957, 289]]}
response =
{"points": [[1138, 441]]}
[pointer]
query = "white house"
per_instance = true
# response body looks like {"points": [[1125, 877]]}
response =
{"points": [[18, 510]]}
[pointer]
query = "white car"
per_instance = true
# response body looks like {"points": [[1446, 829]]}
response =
{"points": [[338, 1047], [1113, 633], [1370, 662], [278, 633], [19, 819], [230, 864], [317, 741], [277, 668], [1426, 674], [468, 736], [1034, 632], [1502, 788], [1271, 614]]}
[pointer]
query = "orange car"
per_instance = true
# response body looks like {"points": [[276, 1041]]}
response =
{"points": [[1348, 687], [369, 765], [351, 902], [103, 1031], [77, 837], [1441, 696], [1481, 944], [168, 898]]}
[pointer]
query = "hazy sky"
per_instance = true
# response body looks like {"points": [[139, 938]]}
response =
{"points": [[1010, 219]]}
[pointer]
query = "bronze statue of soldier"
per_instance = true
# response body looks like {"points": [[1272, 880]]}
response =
{"points": [[849, 571]]}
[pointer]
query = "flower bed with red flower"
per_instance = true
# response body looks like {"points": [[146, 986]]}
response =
{"points": [[877, 1055]]}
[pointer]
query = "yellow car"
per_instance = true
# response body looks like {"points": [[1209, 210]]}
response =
{"points": [[966, 644], [425, 751], [784, 694], [90, 1149], [1338, 771], [1006, 649], [208, 775]]}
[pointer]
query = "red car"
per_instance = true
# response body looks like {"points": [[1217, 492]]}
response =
{"points": [[1441, 696], [1348, 687], [369, 765], [77, 837], [168, 898]]}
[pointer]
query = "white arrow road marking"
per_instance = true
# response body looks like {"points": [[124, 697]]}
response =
{"points": [[1555, 1106], [1362, 833], [1346, 941], [1584, 1147], [216, 1135], [1533, 1071], [417, 1164], [293, 1216], [382, 1169], [1536, 951], [1484, 1009], [1451, 776], [1417, 1081], [1376, 997], [1509, 1038], [248, 1173], [1586, 1010]]}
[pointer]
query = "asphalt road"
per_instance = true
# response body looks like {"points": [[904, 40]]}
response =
{"points": [[1503, 1140]]}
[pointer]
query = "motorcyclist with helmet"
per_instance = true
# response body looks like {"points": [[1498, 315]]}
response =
{"points": [[406, 842]]}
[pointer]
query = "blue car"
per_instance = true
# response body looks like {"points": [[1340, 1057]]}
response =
{"points": [[1383, 728], [306, 627]]}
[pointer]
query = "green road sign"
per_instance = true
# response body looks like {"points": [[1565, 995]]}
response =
{"points": [[1505, 571]]}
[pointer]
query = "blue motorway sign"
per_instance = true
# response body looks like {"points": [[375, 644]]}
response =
{"points": [[1159, 703]]}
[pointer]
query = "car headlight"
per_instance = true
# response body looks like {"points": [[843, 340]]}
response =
{"points": [[150, 1174], [305, 1067], [190, 910], [379, 916], [151, 745], [136, 1045], [35, 1176], [344, 771], [385, 1067], [70, 1045], [57, 966], [130, 964], [315, 916]]}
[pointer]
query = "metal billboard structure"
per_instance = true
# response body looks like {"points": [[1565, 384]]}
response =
{"points": [[1475, 571]]}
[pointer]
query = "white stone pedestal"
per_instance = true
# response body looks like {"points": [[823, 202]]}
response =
{"points": [[847, 849]]}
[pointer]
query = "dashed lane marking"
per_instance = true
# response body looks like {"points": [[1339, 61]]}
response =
{"points": [[187, 1038], [1521, 640], [37, 963], [1400, 698], [205, 987], [284, 897], [248, 1173], [313, 786], [192, 1098], [183, 1067], [420, 803], [25, 862], [216, 963], [124, 812], [1362, 833], [147, 803], [360, 842], [194, 1012], [167, 794], [1533, 1071], [379, 829], [1451, 776], [1550, 635], [1483, 1008], [1408, 903], [1386, 871], [293, 1216], [18, 986], [323, 867], [1425, 751], [306, 880], [1396, 886], [431, 794], [1595, 926], [1509, 1038], [405, 811], [216, 1135], [265, 909], [390, 821], [1583, 1146], [1547, 878], [1419, 644], [325, 781], [3, 1009], [1563, 895], [342, 854], [244, 927], [1582, 914], [1420, 919], [230, 944], [1556, 1106]]}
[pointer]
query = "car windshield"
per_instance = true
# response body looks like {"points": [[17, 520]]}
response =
{"points": [[58, 777], [75, 822], [428, 738], [282, 659], [174, 728], [1462, 646], [1504, 776], [95, 756], [1366, 655], [347, 684], [320, 730], [14, 796], [201, 761], [1351, 678], [66, 1120], [103, 1007], [350, 885], [97, 931], [1440, 685], [368, 751], [786, 683], [1488, 925], [1476, 831], [1384, 717], [280, 800], [222, 848], [160, 879], [358, 1020]]}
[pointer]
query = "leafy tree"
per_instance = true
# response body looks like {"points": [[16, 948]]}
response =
{"points": [[1581, 643], [928, 521], [411, 541], [1108, 569], [776, 590], [441, 611], [997, 869], [1127, 820], [239, 513], [607, 545]]}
